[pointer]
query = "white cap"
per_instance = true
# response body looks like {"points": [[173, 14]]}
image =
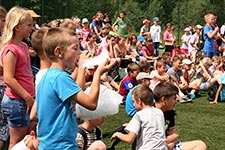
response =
{"points": [[143, 75], [84, 20], [186, 62], [186, 29]]}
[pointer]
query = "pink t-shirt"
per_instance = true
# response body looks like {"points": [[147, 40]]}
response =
{"points": [[23, 72], [84, 33]]}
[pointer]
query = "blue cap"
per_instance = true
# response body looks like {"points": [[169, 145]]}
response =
{"points": [[140, 38], [156, 19]]}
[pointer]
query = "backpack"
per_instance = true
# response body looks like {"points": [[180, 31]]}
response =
{"points": [[84, 135], [201, 40], [212, 92]]}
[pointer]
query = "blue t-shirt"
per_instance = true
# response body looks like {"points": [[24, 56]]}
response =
{"points": [[222, 92], [57, 122], [130, 109], [209, 42]]}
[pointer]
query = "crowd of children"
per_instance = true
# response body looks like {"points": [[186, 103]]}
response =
{"points": [[153, 83]]}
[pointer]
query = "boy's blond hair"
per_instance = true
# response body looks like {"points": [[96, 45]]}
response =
{"points": [[132, 67], [144, 93], [16, 15], [206, 61], [160, 63], [56, 37], [215, 58]]}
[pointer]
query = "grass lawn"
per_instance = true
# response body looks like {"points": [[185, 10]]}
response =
{"points": [[197, 120]]}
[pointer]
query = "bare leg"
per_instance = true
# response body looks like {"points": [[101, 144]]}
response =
{"points": [[194, 145]]}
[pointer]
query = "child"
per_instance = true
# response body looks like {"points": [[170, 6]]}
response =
{"points": [[210, 33], [185, 40], [159, 75], [30, 142], [165, 99], [145, 29], [188, 73], [220, 94], [142, 78], [89, 135], [4, 130], [129, 81], [55, 108], [85, 30], [17, 73], [148, 50], [147, 129]]}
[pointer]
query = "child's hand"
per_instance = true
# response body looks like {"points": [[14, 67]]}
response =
{"points": [[106, 66], [29, 104], [114, 136], [84, 55]]}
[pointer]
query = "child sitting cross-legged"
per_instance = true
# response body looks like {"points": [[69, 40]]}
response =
{"points": [[147, 129]]}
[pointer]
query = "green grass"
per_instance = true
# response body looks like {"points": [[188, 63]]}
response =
{"points": [[197, 120]]}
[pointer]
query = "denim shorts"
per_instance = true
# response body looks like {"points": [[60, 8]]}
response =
{"points": [[15, 111]]}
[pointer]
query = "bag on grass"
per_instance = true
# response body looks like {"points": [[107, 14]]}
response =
{"points": [[212, 92]]}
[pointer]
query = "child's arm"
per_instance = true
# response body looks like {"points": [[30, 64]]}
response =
{"points": [[171, 138], [128, 138], [9, 62], [90, 100]]}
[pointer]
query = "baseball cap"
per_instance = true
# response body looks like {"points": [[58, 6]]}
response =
{"points": [[140, 38], [187, 29], [146, 21], [84, 20], [198, 26], [33, 14], [143, 75], [186, 62], [156, 19]]}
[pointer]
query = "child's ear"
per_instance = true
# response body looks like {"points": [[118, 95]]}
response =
{"points": [[57, 52], [32, 133]]}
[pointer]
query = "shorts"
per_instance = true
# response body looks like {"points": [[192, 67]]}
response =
{"points": [[203, 86], [15, 111], [178, 145]]}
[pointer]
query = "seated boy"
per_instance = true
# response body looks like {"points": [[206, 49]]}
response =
{"points": [[89, 135], [56, 107], [148, 130], [165, 99], [129, 81], [30, 142]]}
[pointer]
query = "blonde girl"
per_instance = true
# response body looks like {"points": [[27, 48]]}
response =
{"points": [[18, 98]]}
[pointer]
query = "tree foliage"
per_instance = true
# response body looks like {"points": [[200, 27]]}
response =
{"points": [[179, 12]]}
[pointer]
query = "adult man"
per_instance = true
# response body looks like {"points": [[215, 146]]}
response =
{"points": [[124, 25]]}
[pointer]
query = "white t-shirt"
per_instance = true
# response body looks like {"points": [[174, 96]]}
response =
{"points": [[21, 145], [222, 31], [185, 38], [39, 76], [150, 129], [155, 33], [194, 39]]}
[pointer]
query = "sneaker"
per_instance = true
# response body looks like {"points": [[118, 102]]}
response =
{"points": [[185, 100], [191, 96]]}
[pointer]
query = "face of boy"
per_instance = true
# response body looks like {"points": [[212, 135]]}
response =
{"points": [[72, 53], [211, 19], [137, 103], [170, 102]]}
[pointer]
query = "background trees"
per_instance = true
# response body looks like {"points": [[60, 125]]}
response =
{"points": [[180, 12]]}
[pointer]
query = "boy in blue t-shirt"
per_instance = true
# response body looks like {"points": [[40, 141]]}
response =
{"points": [[210, 34], [57, 93]]}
